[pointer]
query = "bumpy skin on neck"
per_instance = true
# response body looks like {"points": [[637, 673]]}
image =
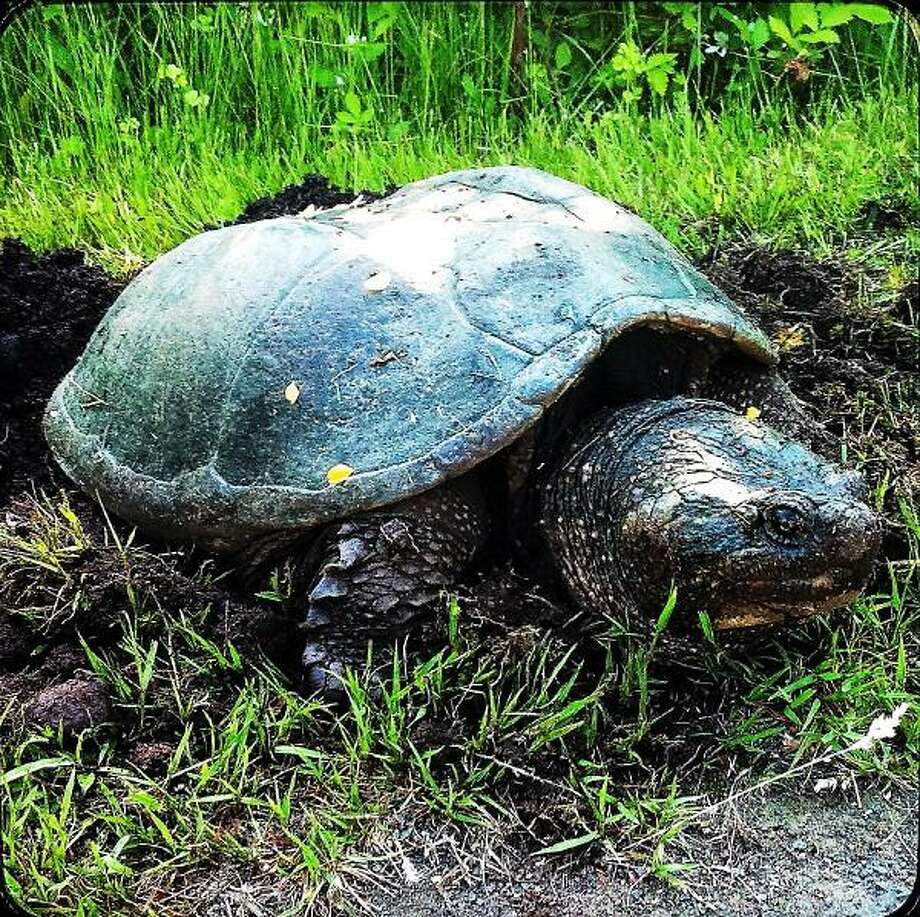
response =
{"points": [[582, 503], [747, 524], [741, 383]]}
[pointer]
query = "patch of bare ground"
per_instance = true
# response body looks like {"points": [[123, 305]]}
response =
{"points": [[785, 853]]}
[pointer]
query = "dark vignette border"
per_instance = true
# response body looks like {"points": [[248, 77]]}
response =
{"points": [[9, 9]]}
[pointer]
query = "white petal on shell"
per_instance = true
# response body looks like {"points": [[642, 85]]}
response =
{"points": [[377, 282]]}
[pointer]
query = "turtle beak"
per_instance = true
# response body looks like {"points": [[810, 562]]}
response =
{"points": [[854, 535], [829, 543]]}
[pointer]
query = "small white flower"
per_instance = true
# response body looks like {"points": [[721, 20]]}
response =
{"points": [[882, 727], [339, 80], [353, 39], [409, 870]]}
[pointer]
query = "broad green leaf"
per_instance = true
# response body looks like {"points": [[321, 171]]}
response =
{"points": [[758, 33], [658, 81], [869, 12], [321, 76], [397, 130], [628, 57], [828, 36], [835, 14], [727, 14], [563, 55], [352, 103], [661, 61], [802, 14], [368, 51], [782, 30]]}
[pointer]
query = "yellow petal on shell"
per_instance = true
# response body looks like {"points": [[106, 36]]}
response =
{"points": [[377, 282], [752, 413], [292, 392], [338, 473]]}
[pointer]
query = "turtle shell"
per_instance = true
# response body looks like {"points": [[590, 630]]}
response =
{"points": [[406, 340]]}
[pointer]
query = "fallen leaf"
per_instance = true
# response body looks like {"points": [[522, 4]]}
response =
{"points": [[377, 282], [381, 359], [292, 392], [752, 413], [338, 473], [790, 338]]}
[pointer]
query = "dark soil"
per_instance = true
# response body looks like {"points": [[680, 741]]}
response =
{"points": [[313, 190], [73, 705], [888, 214], [49, 306]]}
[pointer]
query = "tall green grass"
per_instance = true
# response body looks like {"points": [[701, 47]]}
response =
{"points": [[126, 128]]}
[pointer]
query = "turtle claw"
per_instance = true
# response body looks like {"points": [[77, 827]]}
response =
{"points": [[322, 673], [327, 587]]}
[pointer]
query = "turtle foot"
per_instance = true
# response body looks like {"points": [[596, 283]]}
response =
{"points": [[375, 576]]}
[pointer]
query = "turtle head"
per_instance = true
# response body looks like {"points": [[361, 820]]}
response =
{"points": [[746, 523]]}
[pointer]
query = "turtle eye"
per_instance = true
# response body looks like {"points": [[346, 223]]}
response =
{"points": [[786, 523]]}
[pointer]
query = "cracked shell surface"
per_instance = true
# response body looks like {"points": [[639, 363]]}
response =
{"points": [[503, 284]]}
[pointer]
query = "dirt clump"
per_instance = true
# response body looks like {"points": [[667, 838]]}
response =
{"points": [[49, 306], [314, 191], [887, 214], [16, 641], [151, 758], [73, 706]]}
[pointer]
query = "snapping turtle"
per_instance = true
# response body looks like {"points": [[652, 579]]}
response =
{"points": [[373, 391]]}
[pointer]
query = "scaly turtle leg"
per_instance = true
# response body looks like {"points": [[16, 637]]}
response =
{"points": [[372, 576]]}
